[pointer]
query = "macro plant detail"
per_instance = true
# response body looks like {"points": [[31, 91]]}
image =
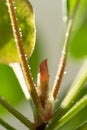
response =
{"points": [[18, 47]]}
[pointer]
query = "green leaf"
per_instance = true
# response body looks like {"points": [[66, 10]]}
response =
{"points": [[78, 40], [82, 126], [25, 15], [70, 98], [76, 86], [6, 125], [16, 113], [9, 87], [73, 111], [82, 103]]}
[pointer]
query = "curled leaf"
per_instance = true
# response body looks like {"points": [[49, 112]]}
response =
{"points": [[43, 90], [43, 82], [25, 15]]}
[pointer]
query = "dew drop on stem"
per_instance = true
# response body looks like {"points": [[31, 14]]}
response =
{"points": [[20, 34], [25, 55], [20, 29], [65, 72], [15, 8], [67, 34], [29, 67]]}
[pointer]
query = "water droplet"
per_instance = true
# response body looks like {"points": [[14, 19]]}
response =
{"points": [[32, 78], [15, 8], [65, 72], [29, 67], [20, 32], [67, 34], [57, 77], [25, 55], [19, 29], [20, 35]]}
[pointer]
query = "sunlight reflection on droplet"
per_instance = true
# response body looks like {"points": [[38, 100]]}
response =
{"points": [[65, 72], [20, 33], [19, 29], [67, 34], [15, 8], [25, 55]]}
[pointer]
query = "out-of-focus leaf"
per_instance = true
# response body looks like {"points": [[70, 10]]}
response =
{"points": [[9, 86], [75, 121], [83, 126], [78, 41], [8, 51]]}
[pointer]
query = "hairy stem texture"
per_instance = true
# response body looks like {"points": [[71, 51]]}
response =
{"points": [[63, 59], [22, 55]]}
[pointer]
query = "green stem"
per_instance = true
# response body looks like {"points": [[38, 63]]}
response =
{"points": [[71, 113], [72, 93], [6, 125], [22, 55], [18, 115], [82, 126], [76, 87], [63, 58]]}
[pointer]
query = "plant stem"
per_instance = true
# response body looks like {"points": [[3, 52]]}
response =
{"points": [[82, 126], [17, 114], [76, 87], [6, 125], [63, 58], [71, 113], [72, 93], [22, 55]]}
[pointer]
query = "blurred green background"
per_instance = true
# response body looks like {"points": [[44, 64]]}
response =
{"points": [[50, 37]]}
